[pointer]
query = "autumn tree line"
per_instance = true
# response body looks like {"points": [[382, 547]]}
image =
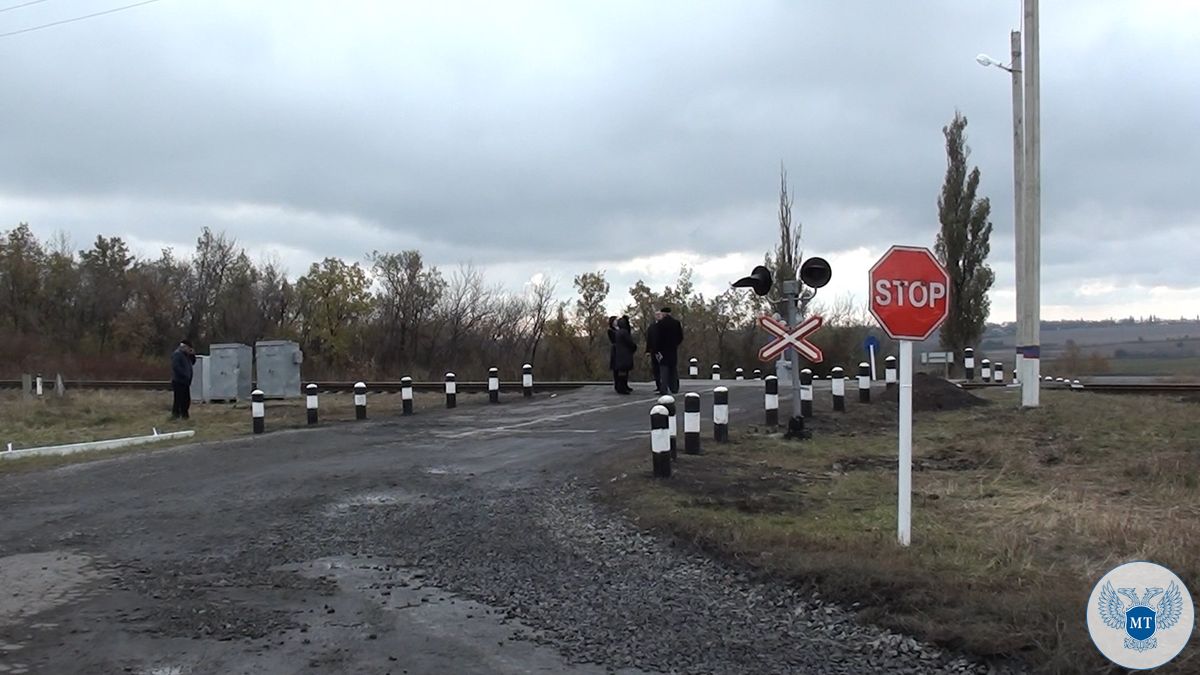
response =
{"points": [[103, 312]]}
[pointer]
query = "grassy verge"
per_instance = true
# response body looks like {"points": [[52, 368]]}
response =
{"points": [[1016, 514], [88, 415]]}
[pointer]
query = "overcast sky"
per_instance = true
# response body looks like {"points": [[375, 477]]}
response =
{"points": [[560, 137]]}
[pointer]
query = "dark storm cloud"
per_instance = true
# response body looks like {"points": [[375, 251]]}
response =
{"points": [[595, 133]]}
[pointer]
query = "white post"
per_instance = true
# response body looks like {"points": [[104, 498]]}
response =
{"points": [[874, 375], [905, 506], [1031, 207]]}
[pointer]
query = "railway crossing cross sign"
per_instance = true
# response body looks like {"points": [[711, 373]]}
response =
{"points": [[790, 337]]}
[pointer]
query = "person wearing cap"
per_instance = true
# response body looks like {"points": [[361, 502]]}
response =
{"points": [[669, 335], [181, 378]]}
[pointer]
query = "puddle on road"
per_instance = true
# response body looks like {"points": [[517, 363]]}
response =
{"points": [[396, 497], [37, 582]]}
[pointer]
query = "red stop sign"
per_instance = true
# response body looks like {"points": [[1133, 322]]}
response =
{"points": [[910, 292]]}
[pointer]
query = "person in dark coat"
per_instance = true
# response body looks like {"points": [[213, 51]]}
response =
{"points": [[669, 337], [652, 349], [612, 352], [623, 353], [181, 379]]}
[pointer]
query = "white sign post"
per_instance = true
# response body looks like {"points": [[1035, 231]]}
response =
{"points": [[909, 298], [873, 376]]}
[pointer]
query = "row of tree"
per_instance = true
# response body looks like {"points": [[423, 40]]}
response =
{"points": [[105, 312]]}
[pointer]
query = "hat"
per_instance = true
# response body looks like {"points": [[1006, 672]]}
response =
{"points": [[665, 310], [186, 341]]}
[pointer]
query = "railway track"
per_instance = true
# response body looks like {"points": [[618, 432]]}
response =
{"points": [[1107, 387], [324, 386]]}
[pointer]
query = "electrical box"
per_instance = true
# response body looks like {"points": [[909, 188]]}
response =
{"points": [[202, 379], [232, 370], [277, 364]]}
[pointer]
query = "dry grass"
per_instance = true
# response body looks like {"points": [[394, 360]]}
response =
{"points": [[88, 415], [1016, 514]]}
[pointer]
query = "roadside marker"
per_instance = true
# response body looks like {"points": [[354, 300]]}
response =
{"points": [[310, 403], [258, 411], [660, 443], [360, 401]]}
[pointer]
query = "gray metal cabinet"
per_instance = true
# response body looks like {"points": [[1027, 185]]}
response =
{"points": [[232, 370], [277, 364], [202, 379]]}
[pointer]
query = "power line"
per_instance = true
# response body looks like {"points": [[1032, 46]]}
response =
{"points": [[78, 18], [23, 4]]}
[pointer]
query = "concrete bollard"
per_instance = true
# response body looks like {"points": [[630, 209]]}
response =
{"points": [[998, 372], [668, 402], [1048, 378], [716, 371], [969, 363], [758, 373], [59, 388], [493, 385], [837, 383], [406, 396], [258, 411], [985, 370], [37, 385], [691, 423], [864, 382], [527, 380], [806, 392], [739, 374], [310, 403], [360, 401], [660, 442], [772, 401], [693, 367], [721, 414], [451, 391], [890, 373]]}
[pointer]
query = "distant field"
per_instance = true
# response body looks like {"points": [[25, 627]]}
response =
{"points": [[1183, 367]]}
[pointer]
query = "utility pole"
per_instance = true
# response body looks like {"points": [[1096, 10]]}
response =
{"points": [[1032, 214], [1018, 119]]}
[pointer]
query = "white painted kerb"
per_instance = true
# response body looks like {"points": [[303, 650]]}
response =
{"points": [[94, 445]]}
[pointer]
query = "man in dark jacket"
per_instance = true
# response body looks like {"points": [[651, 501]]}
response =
{"points": [[181, 379], [652, 350], [669, 337]]}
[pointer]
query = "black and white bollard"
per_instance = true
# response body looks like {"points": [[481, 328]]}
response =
{"points": [[758, 373], [716, 371], [258, 411], [406, 396], [37, 385], [668, 402], [691, 423], [890, 374], [739, 374], [998, 372], [837, 384], [527, 381], [310, 403], [660, 442], [772, 401], [360, 401], [985, 370], [721, 414], [451, 391], [864, 382], [694, 368], [969, 363], [806, 393], [493, 385]]}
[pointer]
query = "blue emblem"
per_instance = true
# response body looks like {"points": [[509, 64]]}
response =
{"points": [[1139, 619]]}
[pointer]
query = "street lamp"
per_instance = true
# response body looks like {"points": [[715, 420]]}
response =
{"points": [[1027, 284]]}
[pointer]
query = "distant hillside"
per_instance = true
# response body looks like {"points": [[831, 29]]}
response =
{"points": [[1111, 339]]}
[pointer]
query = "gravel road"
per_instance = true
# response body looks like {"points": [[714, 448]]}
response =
{"points": [[462, 541]]}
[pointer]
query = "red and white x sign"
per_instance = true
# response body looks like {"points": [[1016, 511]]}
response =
{"points": [[790, 337]]}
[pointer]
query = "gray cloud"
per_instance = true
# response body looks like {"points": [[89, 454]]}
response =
{"points": [[524, 132]]}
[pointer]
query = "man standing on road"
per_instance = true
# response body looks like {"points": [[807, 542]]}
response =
{"points": [[669, 337], [181, 379], [652, 350]]}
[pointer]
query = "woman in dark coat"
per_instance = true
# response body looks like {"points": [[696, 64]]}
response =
{"points": [[624, 348]]}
